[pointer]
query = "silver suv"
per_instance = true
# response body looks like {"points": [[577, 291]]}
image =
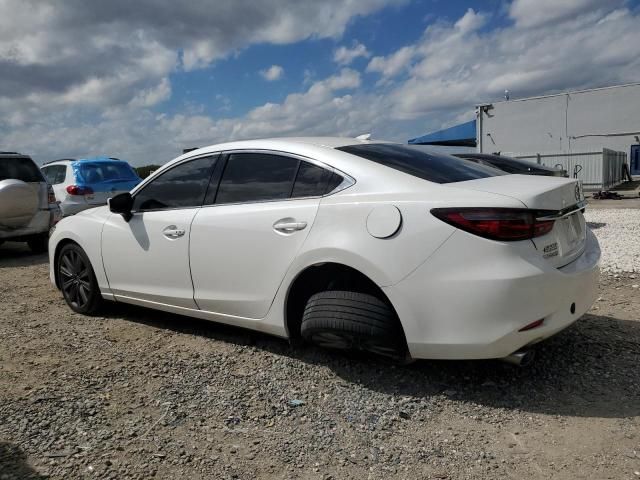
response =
{"points": [[28, 207]]}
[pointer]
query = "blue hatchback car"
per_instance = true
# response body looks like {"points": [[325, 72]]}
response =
{"points": [[88, 182]]}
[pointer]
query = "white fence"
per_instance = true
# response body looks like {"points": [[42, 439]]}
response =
{"points": [[597, 170]]}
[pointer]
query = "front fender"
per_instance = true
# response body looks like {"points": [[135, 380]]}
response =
{"points": [[86, 230]]}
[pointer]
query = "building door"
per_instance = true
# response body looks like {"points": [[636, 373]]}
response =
{"points": [[635, 160]]}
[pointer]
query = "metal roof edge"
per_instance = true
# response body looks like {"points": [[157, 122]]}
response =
{"points": [[559, 94]]}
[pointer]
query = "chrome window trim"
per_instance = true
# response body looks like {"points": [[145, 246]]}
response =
{"points": [[565, 212], [347, 180]]}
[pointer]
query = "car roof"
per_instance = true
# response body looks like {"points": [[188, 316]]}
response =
{"points": [[277, 144], [13, 155], [88, 159], [329, 142], [313, 147]]}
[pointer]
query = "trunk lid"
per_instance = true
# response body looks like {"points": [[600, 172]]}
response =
{"points": [[555, 197], [534, 191]]}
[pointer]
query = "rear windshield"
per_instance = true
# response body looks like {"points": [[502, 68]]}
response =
{"points": [[97, 172], [509, 164], [20, 168], [428, 165]]}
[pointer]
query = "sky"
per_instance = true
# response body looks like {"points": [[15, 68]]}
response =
{"points": [[141, 80]]}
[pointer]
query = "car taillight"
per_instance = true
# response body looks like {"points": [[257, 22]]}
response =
{"points": [[506, 224], [77, 190], [51, 197]]}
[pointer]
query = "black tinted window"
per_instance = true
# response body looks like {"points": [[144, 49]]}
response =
{"points": [[251, 177], [55, 174], [429, 165], [20, 168], [182, 186], [311, 180]]}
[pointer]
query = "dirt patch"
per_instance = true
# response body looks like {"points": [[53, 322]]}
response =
{"points": [[137, 393]]}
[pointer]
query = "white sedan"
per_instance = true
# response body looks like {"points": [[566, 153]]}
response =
{"points": [[346, 243]]}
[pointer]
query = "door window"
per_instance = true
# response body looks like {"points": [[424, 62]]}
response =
{"points": [[253, 177], [311, 180], [55, 174], [182, 186]]}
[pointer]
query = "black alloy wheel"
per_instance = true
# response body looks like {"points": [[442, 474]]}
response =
{"points": [[77, 280]]}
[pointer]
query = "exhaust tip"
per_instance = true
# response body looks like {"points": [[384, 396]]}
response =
{"points": [[521, 358]]}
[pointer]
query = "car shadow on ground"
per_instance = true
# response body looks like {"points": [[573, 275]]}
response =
{"points": [[588, 370], [13, 464], [18, 254]]}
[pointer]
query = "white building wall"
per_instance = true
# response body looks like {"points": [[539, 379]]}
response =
{"points": [[563, 123]]}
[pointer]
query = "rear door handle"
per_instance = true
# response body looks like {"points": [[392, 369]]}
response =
{"points": [[288, 226], [173, 232]]}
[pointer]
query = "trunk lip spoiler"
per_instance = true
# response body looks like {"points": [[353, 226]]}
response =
{"points": [[564, 212]]}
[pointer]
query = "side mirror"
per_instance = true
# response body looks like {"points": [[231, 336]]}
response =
{"points": [[122, 204]]}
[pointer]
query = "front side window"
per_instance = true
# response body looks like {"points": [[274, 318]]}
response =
{"points": [[182, 186], [55, 174], [253, 177]]}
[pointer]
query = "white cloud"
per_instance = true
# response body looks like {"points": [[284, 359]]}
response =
{"points": [[344, 55], [531, 13], [457, 65], [274, 72], [393, 64], [78, 91], [152, 96]]}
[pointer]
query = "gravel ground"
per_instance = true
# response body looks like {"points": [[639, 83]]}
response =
{"points": [[142, 394], [618, 231]]}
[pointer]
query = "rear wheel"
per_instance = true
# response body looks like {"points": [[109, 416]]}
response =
{"points": [[77, 280], [346, 320], [38, 243]]}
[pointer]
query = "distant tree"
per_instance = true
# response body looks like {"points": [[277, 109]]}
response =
{"points": [[144, 172]]}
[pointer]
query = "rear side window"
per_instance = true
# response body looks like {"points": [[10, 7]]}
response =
{"points": [[252, 177], [20, 168], [55, 174], [428, 165], [182, 186], [311, 180], [105, 172]]}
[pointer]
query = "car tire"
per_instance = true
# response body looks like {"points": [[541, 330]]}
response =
{"points": [[39, 243], [346, 320], [77, 280]]}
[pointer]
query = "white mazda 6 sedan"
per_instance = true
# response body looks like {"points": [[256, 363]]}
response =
{"points": [[345, 243]]}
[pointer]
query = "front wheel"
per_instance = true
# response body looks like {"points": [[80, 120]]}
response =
{"points": [[345, 320], [77, 280]]}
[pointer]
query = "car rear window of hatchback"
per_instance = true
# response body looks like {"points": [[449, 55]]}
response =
{"points": [[20, 168], [97, 172], [428, 165]]}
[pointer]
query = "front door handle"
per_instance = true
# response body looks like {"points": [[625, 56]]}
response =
{"points": [[173, 232], [289, 226]]}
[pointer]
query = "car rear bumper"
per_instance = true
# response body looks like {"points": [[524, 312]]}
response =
{"points": [[471, 298], [72, 206], [39, 224]]}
